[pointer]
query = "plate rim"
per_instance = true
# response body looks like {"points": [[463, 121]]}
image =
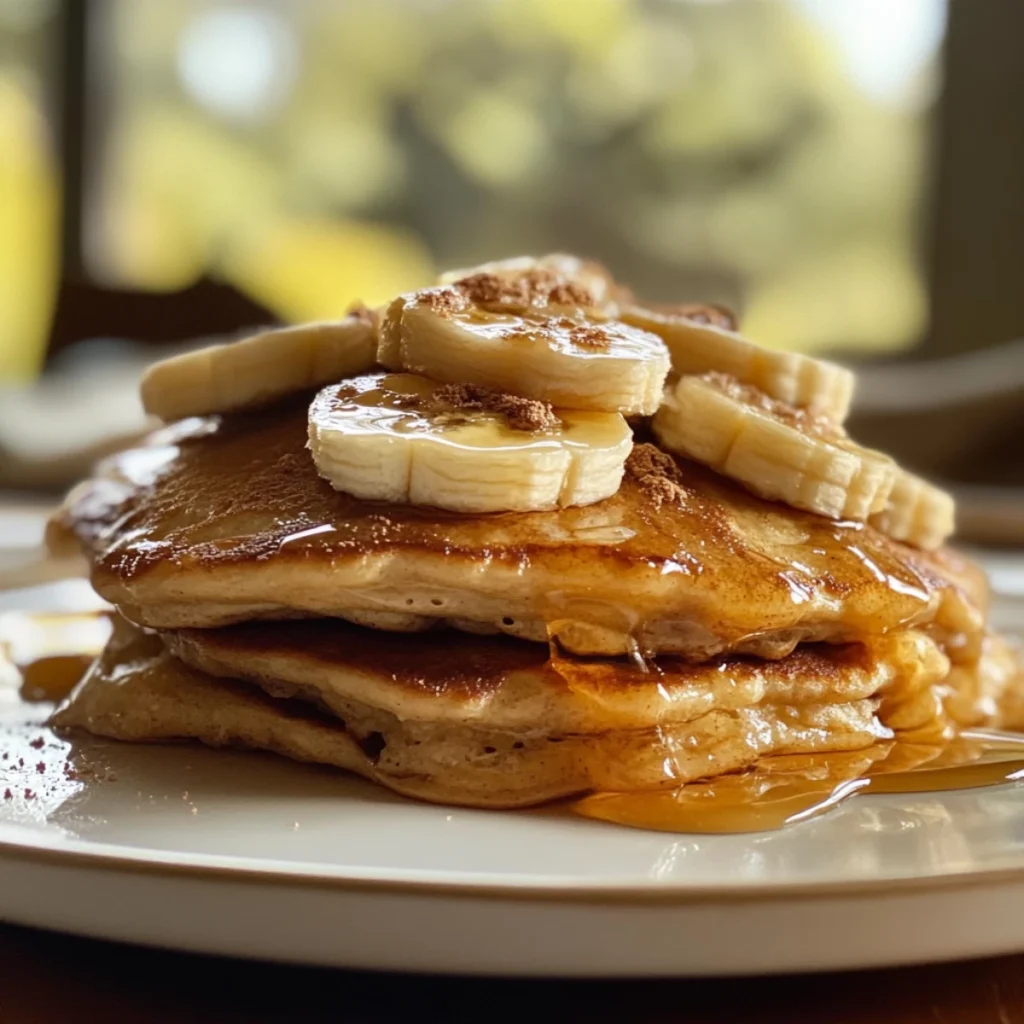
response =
{"points": [[170, 866]]}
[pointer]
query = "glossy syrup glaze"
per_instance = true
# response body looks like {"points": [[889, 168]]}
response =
{"points": [[402, 403], [933, 745], [789, 789], [49, 653], [937, 754], [236, 515]]}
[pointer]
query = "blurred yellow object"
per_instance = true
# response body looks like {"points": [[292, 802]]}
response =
{"points": [[180, 189], [835, 299], [28, 233], [314, 270], [372, 42], [583, 26], [495, 138], [708, 150]]}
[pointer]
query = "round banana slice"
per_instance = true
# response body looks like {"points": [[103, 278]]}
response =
{"points": [[918, 513], [588, 274], [702, 342], [773, 449], [261, 368], [532, 347], [402, 438]]}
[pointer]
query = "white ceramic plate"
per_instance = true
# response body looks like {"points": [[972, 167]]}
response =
{"points": [[252, 855]]}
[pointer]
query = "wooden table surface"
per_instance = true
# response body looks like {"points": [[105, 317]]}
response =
{"points": [[46, 979]]}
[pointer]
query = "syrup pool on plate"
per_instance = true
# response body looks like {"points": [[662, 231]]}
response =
{"points": [[50, 652], [786, 790]]}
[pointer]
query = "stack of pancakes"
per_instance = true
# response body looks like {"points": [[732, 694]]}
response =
{"points": [[681, 628]]}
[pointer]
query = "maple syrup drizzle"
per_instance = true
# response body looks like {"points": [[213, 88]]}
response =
{"points": [[785, 790], [51, 652], [778, 791], [53, 677]]}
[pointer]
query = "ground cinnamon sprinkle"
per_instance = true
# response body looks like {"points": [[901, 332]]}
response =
{"points": [[657, 474], [486, 289], [443, 301], [783, 412], [538, 287], [588, 336], [88, 773], [400, 401], [520, 413], [570, 293], [705, 313]]}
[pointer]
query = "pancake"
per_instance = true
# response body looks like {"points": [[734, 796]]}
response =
{"points": [[491, 722], [497, 683], [135, 691], [219, 520]]}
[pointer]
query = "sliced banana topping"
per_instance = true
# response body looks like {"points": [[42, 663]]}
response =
{"points": [[773, 449], [259, 369], [589, 275], [403, 438], [703, 339], [918, 513], [537, 342]]}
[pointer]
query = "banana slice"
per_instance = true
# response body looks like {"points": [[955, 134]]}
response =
{"points": [[542, 347], [702, 339], [918, 513], [402, 438], [260, 368], [587, 274], [773, 449]]}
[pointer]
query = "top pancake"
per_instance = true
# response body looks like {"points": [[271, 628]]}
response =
{"points": [[222, 519]]}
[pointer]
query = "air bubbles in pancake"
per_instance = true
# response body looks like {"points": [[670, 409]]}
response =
{"points": [[372, 745]]}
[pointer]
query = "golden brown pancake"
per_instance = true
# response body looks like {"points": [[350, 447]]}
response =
{"points": [[498, 683], [491, 722], [223, 519]]}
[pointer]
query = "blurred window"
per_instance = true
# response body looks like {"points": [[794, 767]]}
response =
{"points": [[29, 230], [253, 158], [766, 153]]}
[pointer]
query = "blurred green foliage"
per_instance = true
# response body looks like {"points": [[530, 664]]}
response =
{"points": [[315, 152]]}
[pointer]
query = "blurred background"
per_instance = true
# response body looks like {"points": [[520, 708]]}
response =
{"points": [[847, 174]]}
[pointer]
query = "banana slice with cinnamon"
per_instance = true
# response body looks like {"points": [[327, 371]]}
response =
{"points": [[400, 437], [773, 449], [589, 275], [542, 340], [703, 339]]}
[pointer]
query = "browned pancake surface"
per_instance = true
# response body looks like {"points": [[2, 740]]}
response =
{"points": [[137, 691], [499, 733], [222, 519], [507, 684]]}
